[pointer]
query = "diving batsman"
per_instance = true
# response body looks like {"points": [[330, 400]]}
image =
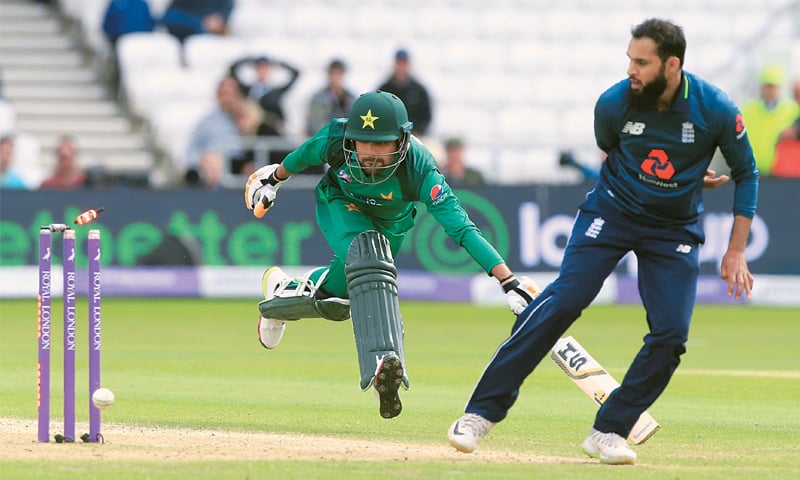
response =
{"points": [[365, 205]]}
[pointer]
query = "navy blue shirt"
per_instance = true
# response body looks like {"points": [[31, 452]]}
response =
{"points": [[657, 159]]}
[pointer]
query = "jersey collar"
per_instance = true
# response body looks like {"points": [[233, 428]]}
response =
{"points": [[681, 103]]}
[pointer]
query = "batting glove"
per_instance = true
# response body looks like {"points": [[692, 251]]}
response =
{"points": [[520, 293], [261, 190]]}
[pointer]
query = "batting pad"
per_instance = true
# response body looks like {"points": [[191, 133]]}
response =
{"points": [[374, 307], [304, 306]]}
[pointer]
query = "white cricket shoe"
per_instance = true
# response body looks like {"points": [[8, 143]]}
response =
{"points": [[467, 431], [610, 447], [270, 331], [387, 380]]}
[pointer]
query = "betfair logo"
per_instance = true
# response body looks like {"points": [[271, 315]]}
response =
{"points": [[634, 128], [369, 120]]}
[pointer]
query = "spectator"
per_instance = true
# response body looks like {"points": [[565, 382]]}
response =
{"points": [[211, 170], [787, 152], [567, 159], [217, 131], [126, 16], [183, 18], [767, 116], [332, 101], [457, 172], [68, 175], [249, 118], [264, 91], [792, 132], [9, 177], [413, 94], [121, 18]]}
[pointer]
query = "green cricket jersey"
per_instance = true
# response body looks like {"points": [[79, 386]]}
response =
{"points": [[390, 205]]}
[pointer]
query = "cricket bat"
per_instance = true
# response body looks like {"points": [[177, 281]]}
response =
{"points": [[596, 382]]}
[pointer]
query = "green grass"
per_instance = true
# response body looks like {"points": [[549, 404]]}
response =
{"points": [[731, 411]]}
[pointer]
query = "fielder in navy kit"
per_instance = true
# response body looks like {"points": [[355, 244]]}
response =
{"points": [[659, 128]]}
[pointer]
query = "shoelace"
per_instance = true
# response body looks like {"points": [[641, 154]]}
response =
{"points": [[304, 284], [276, 324], [477, 424], [609, 439]]}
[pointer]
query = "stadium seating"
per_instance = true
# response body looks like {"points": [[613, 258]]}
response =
{"points": [[141, 54], [505, 74], [55, 91], [212, 53]]}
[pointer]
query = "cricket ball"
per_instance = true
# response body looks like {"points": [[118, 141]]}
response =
{"points": [[103, 398]]}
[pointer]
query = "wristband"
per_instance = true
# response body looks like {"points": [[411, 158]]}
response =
{"points": [[507, 287], [273, 179], [506, 278]]}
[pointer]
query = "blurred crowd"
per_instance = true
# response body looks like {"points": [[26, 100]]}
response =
{"points": [[226, 143]]}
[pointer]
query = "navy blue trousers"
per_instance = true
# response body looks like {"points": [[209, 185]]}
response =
{"points": [[668, 266]]}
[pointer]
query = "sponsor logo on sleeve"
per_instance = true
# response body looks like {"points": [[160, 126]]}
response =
{"points": [[741, 129], [437, 194]]}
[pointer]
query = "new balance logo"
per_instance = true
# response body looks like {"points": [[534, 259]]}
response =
{"points": [[634, 128], [595, 228], [682, 248]]}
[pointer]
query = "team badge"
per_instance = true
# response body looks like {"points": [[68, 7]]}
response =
{"points": [[687, 132], [369, 120]]}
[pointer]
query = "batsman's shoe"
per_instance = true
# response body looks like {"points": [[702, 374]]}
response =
{"points": [[388, 377], [466, 432], [609, 447], [270, 331]]}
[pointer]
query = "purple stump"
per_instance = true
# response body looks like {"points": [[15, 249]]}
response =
{"points": [[43, 317], [70, 295], [94, 332]]}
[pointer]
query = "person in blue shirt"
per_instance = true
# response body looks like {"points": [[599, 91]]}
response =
{"points": [[659, 128], [184, 18]]}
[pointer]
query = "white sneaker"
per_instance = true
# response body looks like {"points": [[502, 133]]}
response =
{"points": [[467, 431], [270, 331], [610, 447]]}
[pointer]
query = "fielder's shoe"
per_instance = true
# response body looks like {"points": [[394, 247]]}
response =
{"points": [[467, 431], [610, 447], [388, 377], [270, 331]]}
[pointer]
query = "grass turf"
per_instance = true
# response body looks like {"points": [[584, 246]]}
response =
{"points": [[731, 411]]}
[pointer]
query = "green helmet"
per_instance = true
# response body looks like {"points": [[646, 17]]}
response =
{"points": [[376, 117]]}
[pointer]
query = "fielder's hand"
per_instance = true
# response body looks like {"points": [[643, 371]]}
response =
{"points": [[519, 293], [261, 190], [711, 182]]}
